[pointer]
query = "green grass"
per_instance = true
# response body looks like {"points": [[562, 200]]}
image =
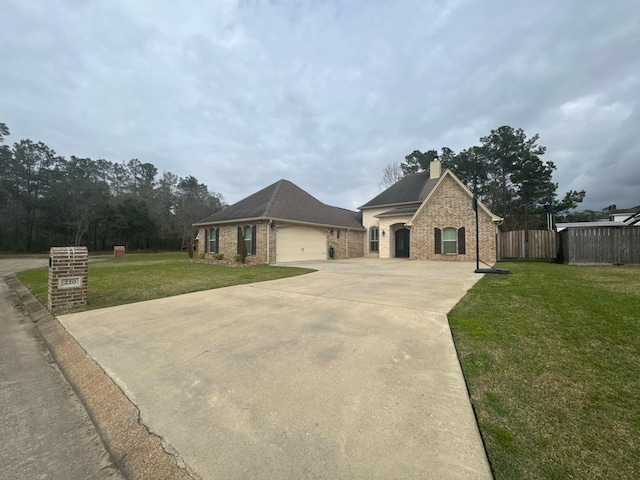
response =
{"points": [[551, 356], [139, 277]]}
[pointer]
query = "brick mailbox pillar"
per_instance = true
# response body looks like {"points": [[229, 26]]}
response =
{"points": [[68, 268], [118, 251]]}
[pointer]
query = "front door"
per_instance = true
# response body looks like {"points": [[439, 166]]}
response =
{"points": [[402, 243]]}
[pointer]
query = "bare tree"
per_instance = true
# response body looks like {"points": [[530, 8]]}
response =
{"points": [[194, 202], [390, 175]]}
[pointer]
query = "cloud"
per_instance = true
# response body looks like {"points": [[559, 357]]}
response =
{"points": [[325, 94]]}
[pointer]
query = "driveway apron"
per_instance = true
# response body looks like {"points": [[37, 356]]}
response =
{"points": [[349, 372]]}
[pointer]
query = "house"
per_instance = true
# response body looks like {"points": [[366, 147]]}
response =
{"points": [[628, 216], [604, 242], [618, 217], [561, 226], [426, 215], [282, 223], [429, 216]]}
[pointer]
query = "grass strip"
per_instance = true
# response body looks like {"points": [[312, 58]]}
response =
{"points": [[551, 356], [140, 277]]}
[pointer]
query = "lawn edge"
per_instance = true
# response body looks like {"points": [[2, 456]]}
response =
{"points": [[137, 452]]}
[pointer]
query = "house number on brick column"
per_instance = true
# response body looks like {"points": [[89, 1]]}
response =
{"points": [[70, 282], [67, 277]]}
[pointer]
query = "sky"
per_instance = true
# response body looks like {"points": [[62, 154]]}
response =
{"points": [[326, 93]]}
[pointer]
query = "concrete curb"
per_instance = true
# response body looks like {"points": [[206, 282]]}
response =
{"points": [[136, 452]]}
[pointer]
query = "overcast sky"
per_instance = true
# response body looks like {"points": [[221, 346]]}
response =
{"points": [[242, 93]]}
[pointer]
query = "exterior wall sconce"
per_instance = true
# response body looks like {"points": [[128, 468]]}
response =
{"points": [[383, 233]]}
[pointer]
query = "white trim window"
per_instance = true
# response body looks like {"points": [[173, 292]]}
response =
{"points": [[374, 239], [246, 233], [450, 240]]}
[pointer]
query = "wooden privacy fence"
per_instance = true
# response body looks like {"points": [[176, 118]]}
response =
{"points": [[531, 244], [601, 245]]}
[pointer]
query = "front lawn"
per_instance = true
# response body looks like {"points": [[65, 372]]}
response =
{"points": [[138, 277], [551, 356]]}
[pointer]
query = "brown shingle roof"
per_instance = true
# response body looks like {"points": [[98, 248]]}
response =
{"points": [[286, 201]]}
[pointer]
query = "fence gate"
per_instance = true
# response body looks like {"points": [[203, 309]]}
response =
{"points": [[527, 244]]}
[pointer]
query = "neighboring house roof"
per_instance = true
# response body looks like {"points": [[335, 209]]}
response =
{"points": [[630, 216], [634, 219], [284, 200], [626, 210], [604, 223], [412, 188]]}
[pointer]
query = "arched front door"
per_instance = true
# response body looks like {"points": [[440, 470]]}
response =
{"points": [[402, 243]]}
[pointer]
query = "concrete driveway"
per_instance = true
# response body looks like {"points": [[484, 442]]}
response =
{"points": [[349, 372]]}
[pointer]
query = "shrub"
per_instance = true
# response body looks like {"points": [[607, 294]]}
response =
{"points": [[218, 256], [243, 252]]}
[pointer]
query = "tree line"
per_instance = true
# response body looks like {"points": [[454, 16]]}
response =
{"points": [[47, 199], [505, 171]]}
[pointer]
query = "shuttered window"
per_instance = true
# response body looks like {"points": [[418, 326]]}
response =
{"points": [[213, 240], [449, 241], [246, 235]]}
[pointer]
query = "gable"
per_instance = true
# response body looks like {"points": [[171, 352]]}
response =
{"points": [[451, 185]]}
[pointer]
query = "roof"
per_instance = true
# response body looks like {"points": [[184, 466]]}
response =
{"points": [[626, 210], [284, 200], [399, 211], [604, 223], [412, 188]]}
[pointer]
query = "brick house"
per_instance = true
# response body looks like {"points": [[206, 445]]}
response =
{"points": [[429, 216], [282, 223], [425, 216]]}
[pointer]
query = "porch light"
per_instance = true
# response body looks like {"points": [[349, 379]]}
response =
{"points": [[383, 233]]}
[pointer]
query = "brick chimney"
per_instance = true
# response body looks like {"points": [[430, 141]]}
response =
{"points": [[435, 169]]}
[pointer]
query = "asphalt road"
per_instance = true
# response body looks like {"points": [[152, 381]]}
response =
{"points": [[45, 430]]}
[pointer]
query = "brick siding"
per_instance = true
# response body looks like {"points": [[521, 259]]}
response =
{"points": [[67, 262], [228, 242], [349, 239], [451, 207]]}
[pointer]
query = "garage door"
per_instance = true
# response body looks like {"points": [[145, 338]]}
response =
{"points": [[294, 244]]}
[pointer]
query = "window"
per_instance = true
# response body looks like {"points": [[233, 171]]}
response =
{"points": [[450, 240], [373, 239], [213, 240], [246, 233]]}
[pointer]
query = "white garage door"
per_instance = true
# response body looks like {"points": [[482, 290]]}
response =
{"points": [[294, 244]]}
